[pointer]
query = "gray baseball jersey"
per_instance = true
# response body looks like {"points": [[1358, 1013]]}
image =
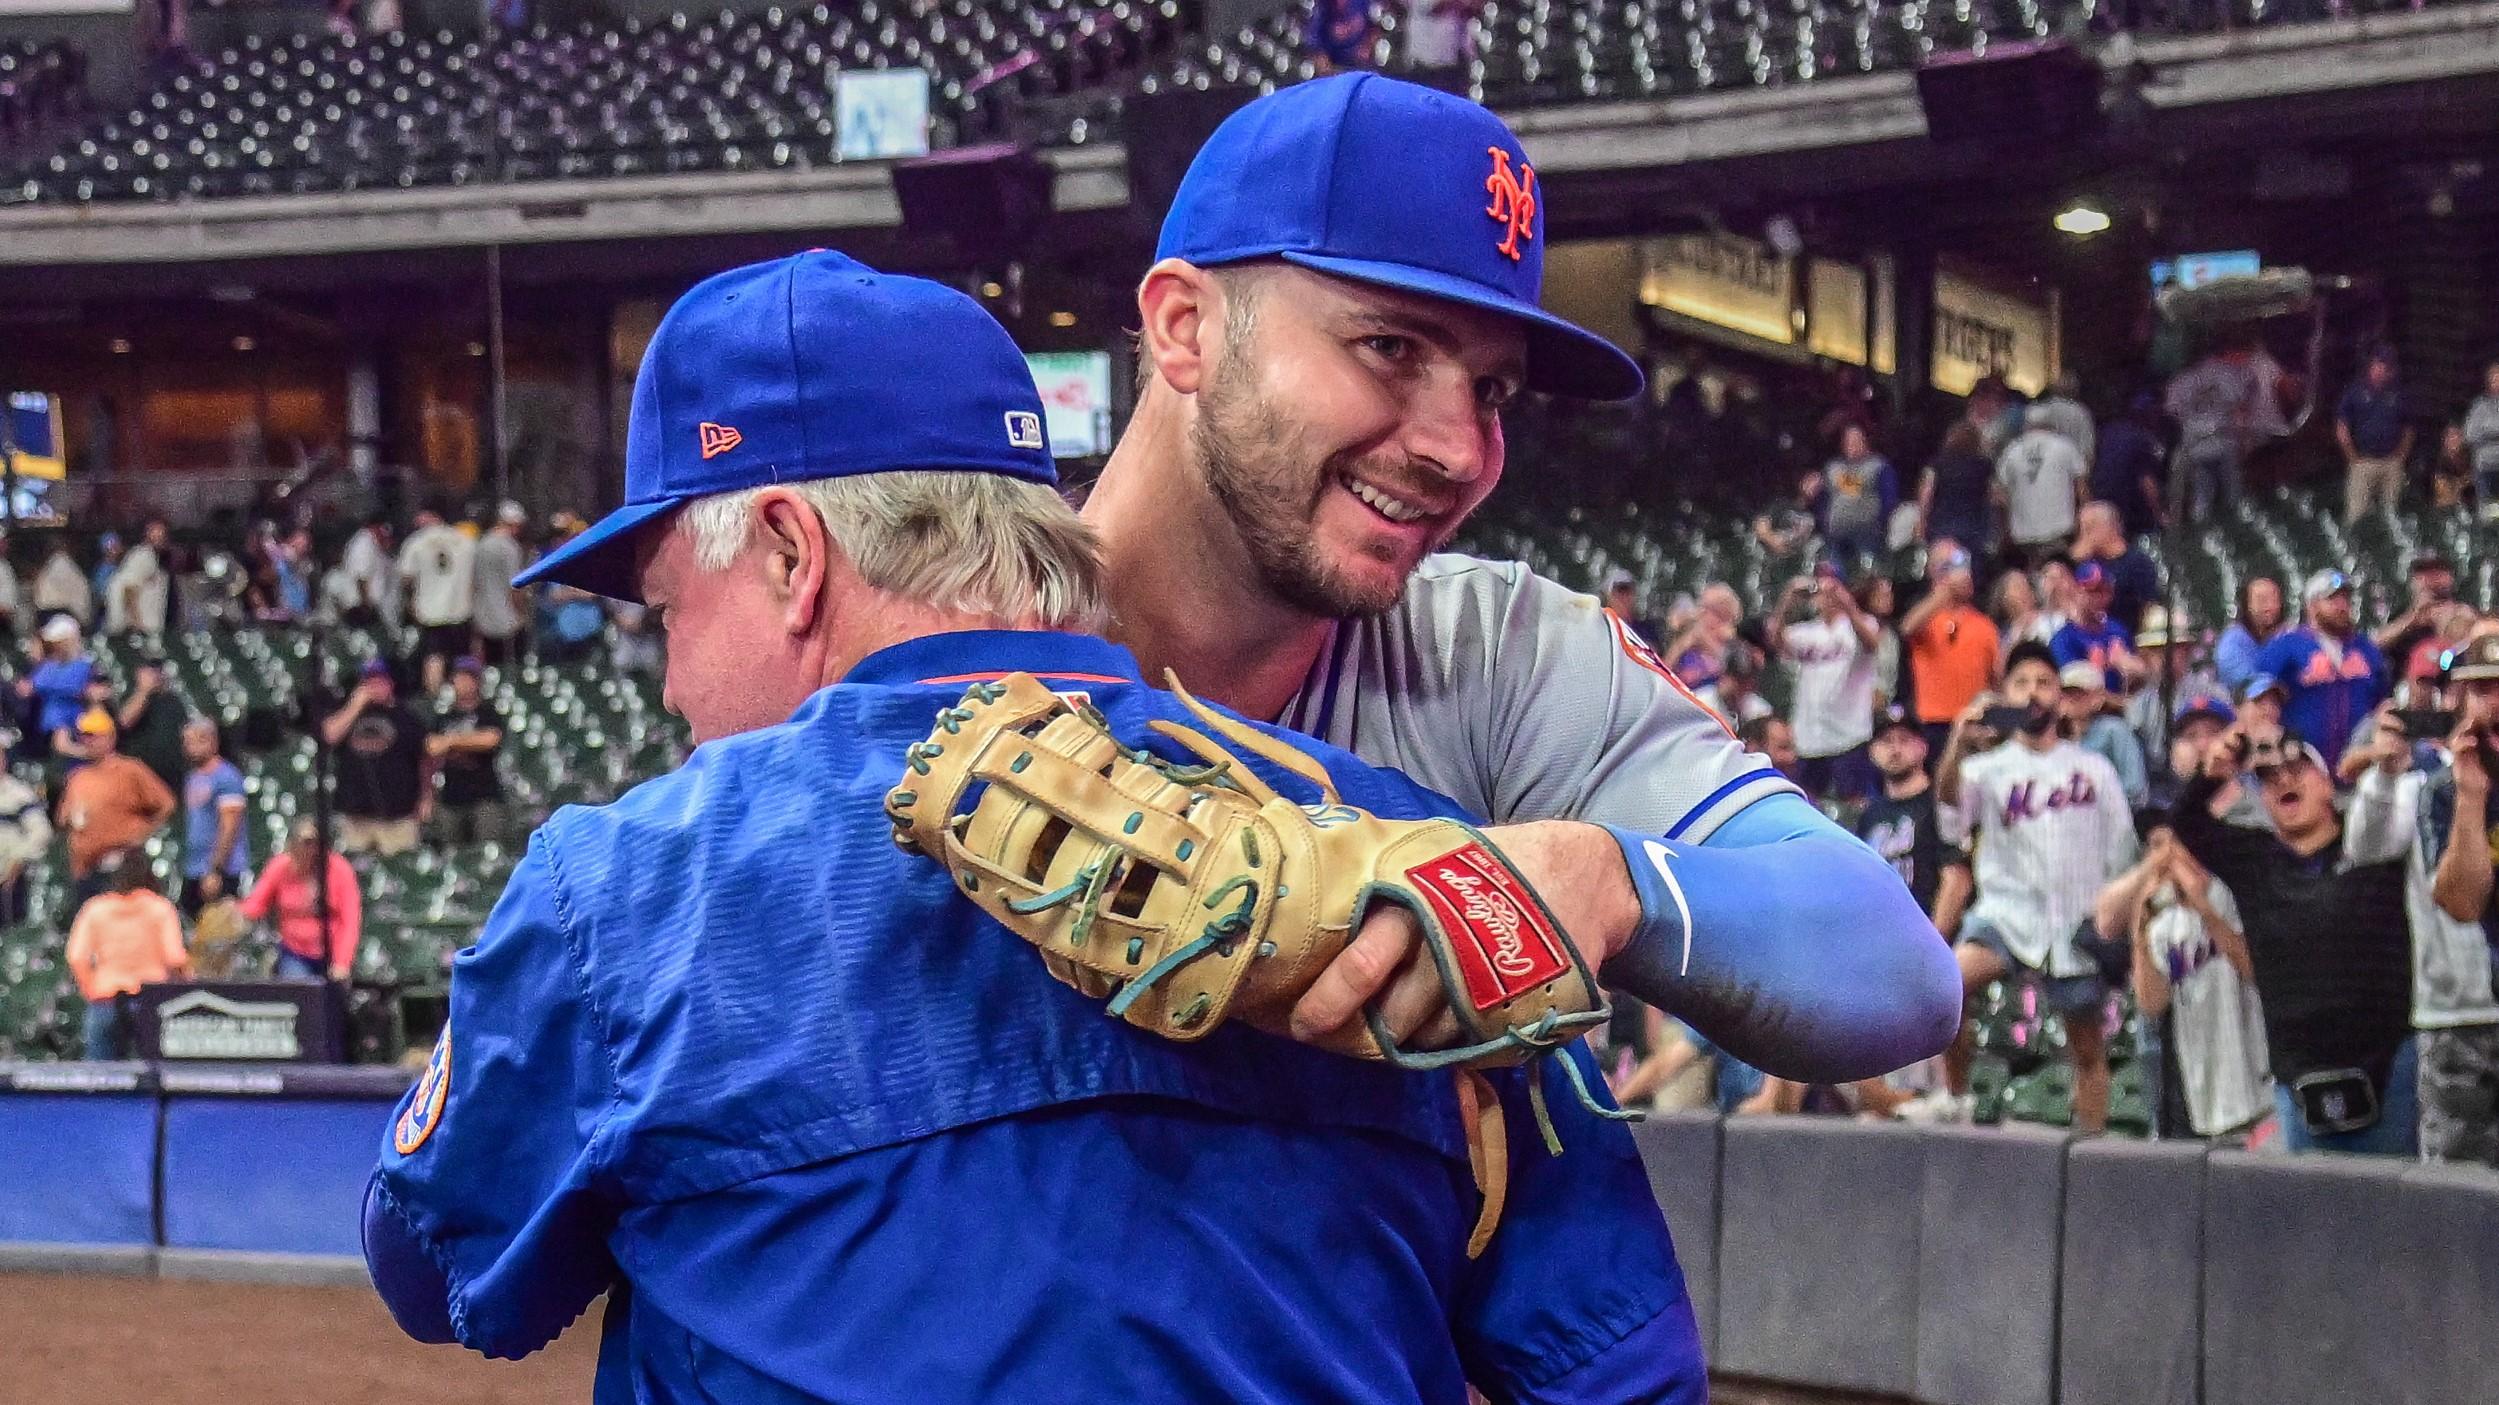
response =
{"points": [[1522, 700]]}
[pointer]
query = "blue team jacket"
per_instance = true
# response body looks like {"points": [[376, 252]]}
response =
{"points": [[830, 1134]]}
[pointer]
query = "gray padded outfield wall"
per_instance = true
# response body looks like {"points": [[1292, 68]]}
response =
{"points": [[1818, 1252], [1681, 1149], [2018, 1266], [1989, 1237], [2133, 1280]]}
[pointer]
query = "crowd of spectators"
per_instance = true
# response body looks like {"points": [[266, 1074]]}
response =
{"points": [[413, 740], [2262, 844]]}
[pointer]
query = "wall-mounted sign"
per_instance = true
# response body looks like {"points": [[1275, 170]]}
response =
{"points": [[1981, 331], [1724, 280], [1837, 319]]}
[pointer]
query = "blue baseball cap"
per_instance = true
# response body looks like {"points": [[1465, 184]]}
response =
{"points": [[1395, 185], [2204, 704], [812, 366]]}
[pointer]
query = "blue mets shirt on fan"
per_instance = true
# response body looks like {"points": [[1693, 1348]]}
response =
{"points": [[827, 1133]]}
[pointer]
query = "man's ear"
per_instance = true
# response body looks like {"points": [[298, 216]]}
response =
{"points": [[797, 556], [1178, 306]]}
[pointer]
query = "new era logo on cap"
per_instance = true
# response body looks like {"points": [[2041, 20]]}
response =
{"points": [[717, 439], [1024, 430]]}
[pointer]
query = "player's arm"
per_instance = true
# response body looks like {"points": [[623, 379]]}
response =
{"points": [[487, 1220], [1789, 944], [1769, 929]]}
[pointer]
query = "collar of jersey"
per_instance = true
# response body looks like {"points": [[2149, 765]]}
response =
{"points": [[977, 655]]}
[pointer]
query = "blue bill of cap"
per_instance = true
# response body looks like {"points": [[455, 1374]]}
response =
{"points": [[1562, 359], [600, 560]]}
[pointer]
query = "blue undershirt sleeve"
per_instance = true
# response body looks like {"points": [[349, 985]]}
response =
{"points": [[1791, 945]]}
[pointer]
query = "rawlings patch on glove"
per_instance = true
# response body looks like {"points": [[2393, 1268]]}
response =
{"points": [[1188, 895]]}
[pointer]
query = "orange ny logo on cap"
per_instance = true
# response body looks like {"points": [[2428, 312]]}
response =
{"points": [[1513, 200], [718, 439]]}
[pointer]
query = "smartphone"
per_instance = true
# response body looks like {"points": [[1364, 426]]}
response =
{"points": [[2004, 717], [2426, 723]]}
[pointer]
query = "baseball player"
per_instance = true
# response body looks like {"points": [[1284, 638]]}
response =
{"points": [[1344, 299], [821, 1129]]}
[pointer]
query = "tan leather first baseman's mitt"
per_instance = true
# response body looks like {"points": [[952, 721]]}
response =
{"points": [[1189, 895]]}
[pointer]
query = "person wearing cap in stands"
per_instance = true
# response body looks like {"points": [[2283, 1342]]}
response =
{"points": [[2084, 704], [500, 610], [54, 691], [726, 1054], [1345, 296], [2197, 719], [2171, 677], [2095, 636], [2323, 912], [107, 807], [2261, 699], [1901, 822], [2442, 808], [2134, 582], [380, 747], [2332, 674], [2047, 825]]}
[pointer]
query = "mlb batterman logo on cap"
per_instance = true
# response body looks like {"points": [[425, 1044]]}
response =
{"points": [[1398, 186], [812, 366]]}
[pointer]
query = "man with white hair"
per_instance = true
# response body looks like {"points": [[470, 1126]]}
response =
{"points": [[725, 1054]]}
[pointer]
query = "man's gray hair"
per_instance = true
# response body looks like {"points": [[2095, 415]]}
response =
{"points": [[971, 543]]}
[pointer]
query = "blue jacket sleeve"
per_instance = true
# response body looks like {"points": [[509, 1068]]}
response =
{"points": [[2067, 645], [1578, 1298], [1805, 955], [487, 1221]]}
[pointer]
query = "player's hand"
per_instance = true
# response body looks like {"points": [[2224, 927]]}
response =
{"points": [[1576, 868]]}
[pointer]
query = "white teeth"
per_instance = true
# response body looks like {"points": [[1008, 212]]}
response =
{"points": [[1388, 507]]}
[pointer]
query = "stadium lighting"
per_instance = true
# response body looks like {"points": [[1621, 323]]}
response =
{"points": [[1062, 319], [244, 343], [991, 289], [120, 346], [2082, 220], [477, 348]]}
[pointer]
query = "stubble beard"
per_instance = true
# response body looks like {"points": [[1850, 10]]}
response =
{"points": [[1245, 450]]}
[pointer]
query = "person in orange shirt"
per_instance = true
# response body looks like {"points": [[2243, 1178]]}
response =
{"points": [[123, 938], [112, 803], [1953, 651], [285, 887]]}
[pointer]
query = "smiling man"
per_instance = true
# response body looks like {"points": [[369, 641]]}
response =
{"points": [[726, 1054], [1344, 299]]}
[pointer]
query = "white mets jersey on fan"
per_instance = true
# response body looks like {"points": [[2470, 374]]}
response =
{"points": [[1522, 700], [2047, 830]]}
